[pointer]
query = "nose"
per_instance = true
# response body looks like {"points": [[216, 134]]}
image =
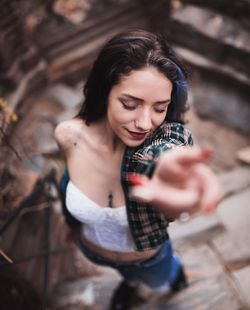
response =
{"points": [[143, 120]]}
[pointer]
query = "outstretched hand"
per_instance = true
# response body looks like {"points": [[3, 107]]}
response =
{"points": [[182, 182]]}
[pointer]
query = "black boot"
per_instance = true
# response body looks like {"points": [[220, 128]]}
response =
{"points": [[180, 282], [123, 296]]}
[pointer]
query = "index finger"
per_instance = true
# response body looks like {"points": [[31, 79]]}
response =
{"points": [[190, 155]]}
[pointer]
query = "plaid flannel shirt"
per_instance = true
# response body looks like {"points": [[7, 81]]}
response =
{"points": [[147, 225]]}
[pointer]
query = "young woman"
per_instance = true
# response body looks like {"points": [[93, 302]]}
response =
{"points": [[130, 170]]}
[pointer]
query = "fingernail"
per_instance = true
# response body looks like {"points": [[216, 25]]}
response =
{"points": [[134, 179], [209, 208]]}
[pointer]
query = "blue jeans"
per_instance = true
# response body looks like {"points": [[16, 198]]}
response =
{"points": [[157, 272]]}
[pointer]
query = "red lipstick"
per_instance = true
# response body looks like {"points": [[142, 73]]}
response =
{"points": [[137, 135]]}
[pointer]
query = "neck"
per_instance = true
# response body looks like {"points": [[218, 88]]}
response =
{"points": [[108, 138]]}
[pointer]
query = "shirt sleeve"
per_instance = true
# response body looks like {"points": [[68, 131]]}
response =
{"points": [[169, 136]]}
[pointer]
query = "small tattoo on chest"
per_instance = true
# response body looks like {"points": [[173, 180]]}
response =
{"points": [[110, 200]]}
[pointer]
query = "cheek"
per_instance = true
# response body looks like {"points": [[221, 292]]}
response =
{"points": [[120, 116], [117, 118], [158, 119], [123, 119]]}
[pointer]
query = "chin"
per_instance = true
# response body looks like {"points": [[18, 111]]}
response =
{"points": [[131, 143]]}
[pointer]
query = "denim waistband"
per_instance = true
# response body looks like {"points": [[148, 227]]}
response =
{"points": [[98, 259]]}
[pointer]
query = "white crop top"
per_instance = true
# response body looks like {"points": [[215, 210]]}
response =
{"points": [[103, 226]]}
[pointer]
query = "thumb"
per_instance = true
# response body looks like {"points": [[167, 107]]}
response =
{"points": [[143, 193]]}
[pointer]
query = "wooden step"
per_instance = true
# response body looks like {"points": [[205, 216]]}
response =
{"points": [[87, 35], [61, 33], [187, 36], [239, 9]]}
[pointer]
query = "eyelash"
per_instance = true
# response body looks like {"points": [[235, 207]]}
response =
{"points": [[160, 111], [134, 107], [126, 106]]}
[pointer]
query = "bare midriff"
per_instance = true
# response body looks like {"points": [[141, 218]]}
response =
{"points": [[119, 256]]}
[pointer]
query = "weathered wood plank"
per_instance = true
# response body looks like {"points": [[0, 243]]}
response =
{"points": [[100, 30], [239, 9], [223, 99], [187, 36], [242, 277], [219, 27], [71, 31], [234, 245]]}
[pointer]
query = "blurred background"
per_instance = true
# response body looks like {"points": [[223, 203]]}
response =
{"points": [[47, 48]]}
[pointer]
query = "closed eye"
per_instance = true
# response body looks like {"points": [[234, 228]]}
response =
{"points": [[161, 107], [161, 110], [128, 105]]}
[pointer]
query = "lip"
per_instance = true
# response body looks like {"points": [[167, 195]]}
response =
{"points": [[137, 135]]}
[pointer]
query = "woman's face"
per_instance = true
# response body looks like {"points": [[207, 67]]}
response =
{"points": [[138, 105]]}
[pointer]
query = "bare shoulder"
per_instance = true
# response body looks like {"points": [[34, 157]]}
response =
{"points": [[69, 132]]}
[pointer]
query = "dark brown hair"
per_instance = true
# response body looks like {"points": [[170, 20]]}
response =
{"points": [[128, 51]]}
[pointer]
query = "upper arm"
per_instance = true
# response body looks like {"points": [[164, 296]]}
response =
{"points": [[177, 135], [66, 135]]}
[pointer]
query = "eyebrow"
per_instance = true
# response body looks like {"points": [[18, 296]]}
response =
{"points": [[141, 100]]}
